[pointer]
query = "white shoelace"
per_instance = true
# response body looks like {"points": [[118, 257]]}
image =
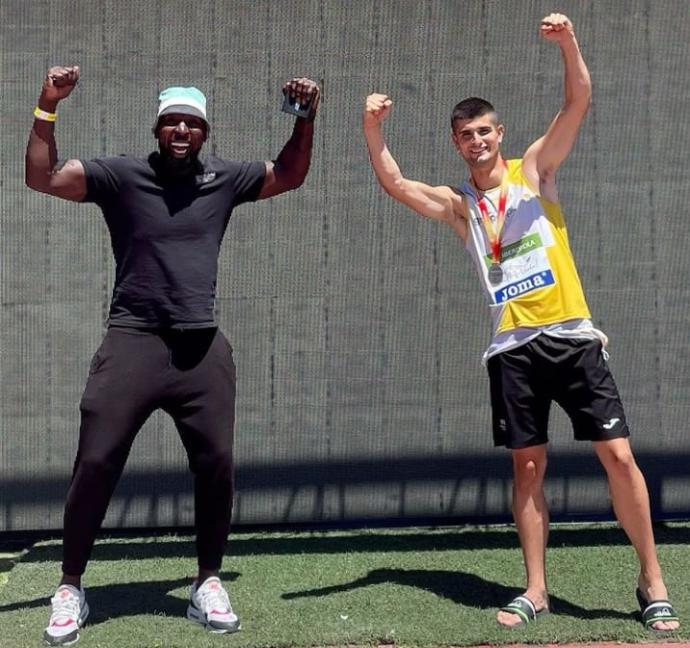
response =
{"points": [[214, 599], [65, 607]]}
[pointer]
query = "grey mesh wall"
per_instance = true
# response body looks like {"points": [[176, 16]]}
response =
{"points": [[358, 327]]}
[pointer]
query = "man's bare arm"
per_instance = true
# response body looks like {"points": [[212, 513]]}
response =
{"points": [[290, 168], [440, 203], [43, 171], [542, 159]]}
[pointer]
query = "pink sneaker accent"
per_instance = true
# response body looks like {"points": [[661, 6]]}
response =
{"points": [[210, 605]]}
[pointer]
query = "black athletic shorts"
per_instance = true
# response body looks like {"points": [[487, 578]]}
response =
{"points": [[572, 372]]}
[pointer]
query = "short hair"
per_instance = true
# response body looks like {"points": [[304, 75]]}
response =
{"points": [[470, 108]]}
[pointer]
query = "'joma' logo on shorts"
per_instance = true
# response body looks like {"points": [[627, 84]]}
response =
{"points": [[610, 424]]}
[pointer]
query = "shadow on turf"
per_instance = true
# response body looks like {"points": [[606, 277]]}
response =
{"points": [[127, 599], [366, 541], [464, 589]]}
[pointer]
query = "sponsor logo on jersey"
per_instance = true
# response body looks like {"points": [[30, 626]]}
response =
{"points": [[525, 285], [523, 246], [206, 177]]}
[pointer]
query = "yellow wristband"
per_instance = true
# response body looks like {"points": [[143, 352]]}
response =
{"points": [[43, 115]]}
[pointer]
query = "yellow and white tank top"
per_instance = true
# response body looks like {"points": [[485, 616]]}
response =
{"points": [[540, 291]]}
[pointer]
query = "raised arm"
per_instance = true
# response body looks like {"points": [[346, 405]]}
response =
{"points": [[440, 203], [43, 171], [290, 168], [542, 159]]}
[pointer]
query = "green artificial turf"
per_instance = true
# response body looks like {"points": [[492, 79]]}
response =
{"points": [[412, 587]]}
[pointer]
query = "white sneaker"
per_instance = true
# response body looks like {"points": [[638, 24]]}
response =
{"points": [[70, 610], [209, 605]]}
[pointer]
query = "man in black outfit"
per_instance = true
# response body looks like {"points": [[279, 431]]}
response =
{"points": [[166, 215]]}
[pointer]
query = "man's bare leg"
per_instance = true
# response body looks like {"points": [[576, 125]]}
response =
{"points": [[68, 579], [631, 505], [532, 520]]}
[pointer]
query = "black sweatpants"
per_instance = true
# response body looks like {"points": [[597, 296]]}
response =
{"points": [[190, 375]]}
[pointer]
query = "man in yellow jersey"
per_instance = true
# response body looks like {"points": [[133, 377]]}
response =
{"points": [[544, 347]]}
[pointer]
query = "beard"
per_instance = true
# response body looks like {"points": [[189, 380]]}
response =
{"points": [[189, 164]]}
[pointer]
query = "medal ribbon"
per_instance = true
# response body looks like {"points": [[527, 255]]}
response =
{"points": [[493, 230]]}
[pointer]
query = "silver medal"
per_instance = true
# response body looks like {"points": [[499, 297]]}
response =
{"points": [[495, 274]]}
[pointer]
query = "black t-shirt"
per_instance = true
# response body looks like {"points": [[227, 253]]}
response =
{"points": [[166, 234]]}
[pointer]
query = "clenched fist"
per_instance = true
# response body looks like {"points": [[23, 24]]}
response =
{"points": [[59, 82], [556, 27], [303, 90], [376, 109]]}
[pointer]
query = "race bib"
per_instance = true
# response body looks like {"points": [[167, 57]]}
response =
{"points": [[525, 266]]}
